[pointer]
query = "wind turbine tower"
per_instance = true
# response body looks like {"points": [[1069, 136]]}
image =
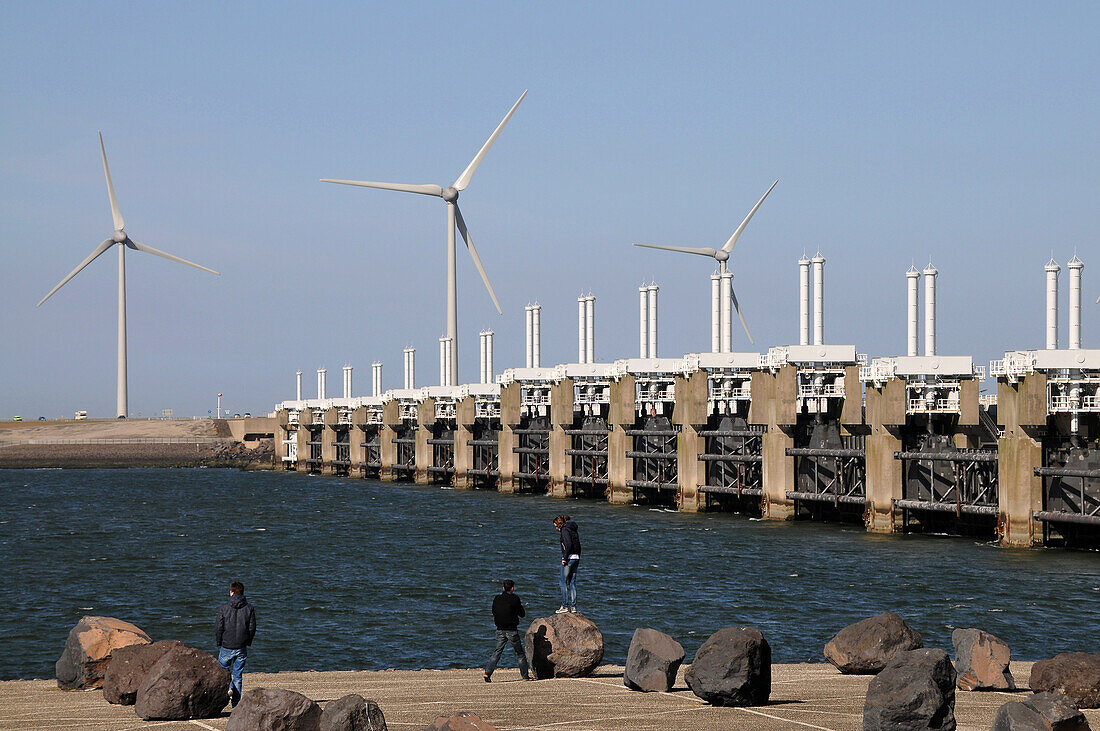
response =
{"points": [[123, 241], [722, 293], [454, 217]]}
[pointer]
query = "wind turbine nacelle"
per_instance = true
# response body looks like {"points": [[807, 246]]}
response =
{"points": [[118, 237], [722, 255], [449, 194]]}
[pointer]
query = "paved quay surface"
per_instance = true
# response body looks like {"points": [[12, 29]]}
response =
{"points": [[805, 696]]}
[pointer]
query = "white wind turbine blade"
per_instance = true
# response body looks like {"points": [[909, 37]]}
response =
{"points": [[157, 252], [115, 214], [736, 234], [477, 260], [1098, 300], [737, 306], [464, 179], [99, 250], [701, 251], [401, 187]]}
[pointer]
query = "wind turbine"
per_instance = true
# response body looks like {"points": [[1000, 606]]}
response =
{"points": [[454, 216], [722, 287], [123, 241]]}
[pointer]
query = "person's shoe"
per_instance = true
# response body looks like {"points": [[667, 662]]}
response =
{"points": [[572, 610], [487, 678], [528, 678], [561, 610]]}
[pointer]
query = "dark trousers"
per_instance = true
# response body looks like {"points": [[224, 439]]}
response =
{"points": [[506, 637]]}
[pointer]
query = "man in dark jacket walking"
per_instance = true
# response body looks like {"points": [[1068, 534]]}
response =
{"points": [[507, 609], [570, 560], [233, 631]]}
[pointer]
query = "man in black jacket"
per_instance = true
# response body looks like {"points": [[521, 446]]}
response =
{"points": [[507, 609], [233, 631], [570, 560]]}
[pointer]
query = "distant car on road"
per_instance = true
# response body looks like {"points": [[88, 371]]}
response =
{"points": [[17, 418], [81, 415], [42, 418]]}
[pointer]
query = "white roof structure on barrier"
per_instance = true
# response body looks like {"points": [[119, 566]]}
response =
{"points": [[783, 354], [1018, 363], [934, 365], [588, 370], [715, 361], [479, 389], [448, 392], [529, 374], [1071, 359], [414, 394], [666, 366]]}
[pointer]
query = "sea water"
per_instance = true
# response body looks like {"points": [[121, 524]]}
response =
{"points": [[360, 574]]}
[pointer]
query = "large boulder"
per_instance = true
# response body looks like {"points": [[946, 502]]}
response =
{"points": [[916, 690], [1040, 712], [274, 709], [652, 661], [981, 661], [88, 650], [184, 683], [1077, 674], [461, 722], [563, 646], [128, 667], [865, 647], [352, 713], [732, 668]]}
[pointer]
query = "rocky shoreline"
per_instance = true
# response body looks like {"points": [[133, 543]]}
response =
{"points": [[227, 454], [907, 686]]}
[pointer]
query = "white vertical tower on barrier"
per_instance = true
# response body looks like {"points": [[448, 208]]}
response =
{"points": [[930, 309], [803, 300], [1075, 266], [534, 335], [912, 309], [651, 292], [1052, 270], [486, 356], [725, 311], [590, 326], [298, 388], [347, 381], [586, 329], [819, 298], [716, 313], [529, 338], [582, 330], [376, 379], [443, 372], [643, 321], [321, 373], [410, 368], [536, 353]]}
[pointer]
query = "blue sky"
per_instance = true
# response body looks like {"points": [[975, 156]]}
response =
{"points": [[962, 133]]}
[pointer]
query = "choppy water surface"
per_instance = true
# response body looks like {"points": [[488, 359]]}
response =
{"points": [[354, 574]]}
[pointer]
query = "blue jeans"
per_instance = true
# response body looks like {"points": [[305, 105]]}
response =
{"points": [[569, 583], [505, 637], [237, 658]]}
